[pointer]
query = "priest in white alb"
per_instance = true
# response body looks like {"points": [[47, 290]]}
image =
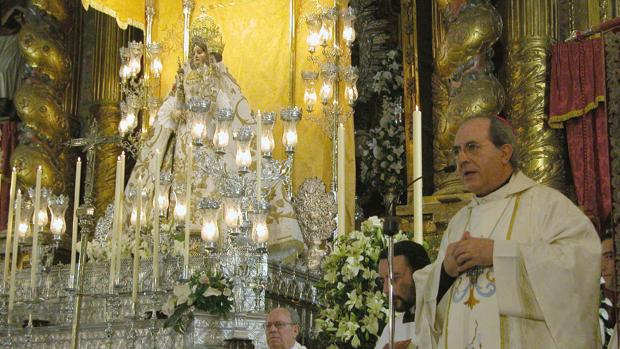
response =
{"points": [[518, 267]]}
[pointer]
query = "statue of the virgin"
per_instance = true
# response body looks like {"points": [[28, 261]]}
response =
{"points": [[204, 82]]}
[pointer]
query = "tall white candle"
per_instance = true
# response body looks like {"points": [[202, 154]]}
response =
{"points": [[136, 246], [341, 181], [121, 208], [9, 227], [115, 226], [188, 203], [156, 190], [259, 155], [74, 226], [18, 209], [418, 219], [34, 265]]}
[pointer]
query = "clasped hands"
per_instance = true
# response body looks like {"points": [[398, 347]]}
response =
{"points": [[467, 253]]}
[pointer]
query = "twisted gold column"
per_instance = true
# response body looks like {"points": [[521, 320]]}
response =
{"points": [[39, 100], [531, 25], [463, 82]]}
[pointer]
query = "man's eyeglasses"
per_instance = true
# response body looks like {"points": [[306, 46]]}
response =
{"points": [[278, 324], [469, 148]]}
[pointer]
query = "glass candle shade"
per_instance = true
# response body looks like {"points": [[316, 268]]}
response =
{"points": [[290, 117], [243, 157], [221, 137], [58, 206]]}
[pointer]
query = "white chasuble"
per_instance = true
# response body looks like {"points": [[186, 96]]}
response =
{"points": [[472, 298], [542, 290]]}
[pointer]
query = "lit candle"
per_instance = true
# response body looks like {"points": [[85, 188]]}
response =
{"points": [[34, 265], [341, 180], [259, 155], [9, 227], [18, 205], [188, 202], [74, 226], [115, 226], [417, 173], [156, 189], [136, 245]]}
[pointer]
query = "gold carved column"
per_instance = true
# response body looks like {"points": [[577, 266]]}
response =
{"points": [[39, 100], [464, 84], [105, 95], [531, 26]]}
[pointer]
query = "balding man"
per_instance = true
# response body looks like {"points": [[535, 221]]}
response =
{"points": [[282, 328], [517, 267]]}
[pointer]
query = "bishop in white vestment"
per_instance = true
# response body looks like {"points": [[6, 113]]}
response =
{"points": [[518, 267]]}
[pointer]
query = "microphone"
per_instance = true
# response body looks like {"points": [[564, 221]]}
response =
{"points": [[391, 222]]}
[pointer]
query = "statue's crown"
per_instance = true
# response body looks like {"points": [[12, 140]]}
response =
{"points": [[204, 28]]}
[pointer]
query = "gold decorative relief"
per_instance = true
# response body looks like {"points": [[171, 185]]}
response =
{"points": [[54, 8], [38, 101], [463, 81], [26, 158], [530, 32], [44, 53], [41, 111], [473, 32]]}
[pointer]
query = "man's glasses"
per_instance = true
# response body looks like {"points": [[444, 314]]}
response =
{"points": [[278, 324], [470, 148]]}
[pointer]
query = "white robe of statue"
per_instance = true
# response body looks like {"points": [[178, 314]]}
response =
{"points": [[171, 134], [542, 290]]}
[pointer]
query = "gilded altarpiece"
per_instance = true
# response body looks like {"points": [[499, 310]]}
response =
{"points": [[463, 85], [531, 27]]}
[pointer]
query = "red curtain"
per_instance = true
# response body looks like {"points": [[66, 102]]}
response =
{"points": [[8, 143], [577, 102]]}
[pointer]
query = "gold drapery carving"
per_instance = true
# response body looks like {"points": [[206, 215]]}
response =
{"points": [[463, 81], [531, 25]]}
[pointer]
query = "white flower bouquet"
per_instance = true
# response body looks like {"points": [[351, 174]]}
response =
{"points": [[209, 292], [383, 154], [355, 308]]}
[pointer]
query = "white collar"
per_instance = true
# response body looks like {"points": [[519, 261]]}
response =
{"points": [[518, 182]]}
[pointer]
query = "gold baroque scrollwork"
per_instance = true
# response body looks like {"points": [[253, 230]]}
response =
{"points": [[463, 81], [26, 158], [444, 129], [38, 99], [44, 53], [54, 8], [473, 32], [40, 110], [541, 146]]}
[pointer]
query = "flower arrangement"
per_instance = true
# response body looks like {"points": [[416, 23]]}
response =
{"points": [[383, 154], [98, 248], [206, 291], [355, 308]]}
